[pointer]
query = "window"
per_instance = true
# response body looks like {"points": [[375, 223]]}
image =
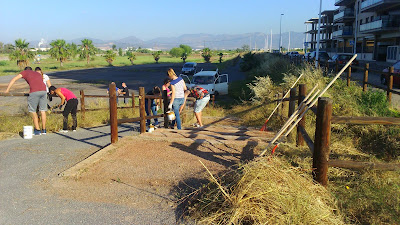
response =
{"points": [[367, 20], [372, 18]]}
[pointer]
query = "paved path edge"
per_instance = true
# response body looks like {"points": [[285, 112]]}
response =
{"points": [[82, 166]]}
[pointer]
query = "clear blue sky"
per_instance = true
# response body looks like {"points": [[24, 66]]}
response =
{"points": [[116, 19]]}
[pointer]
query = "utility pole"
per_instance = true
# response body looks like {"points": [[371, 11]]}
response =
{"points": [[288, 48], [356, 29], [280, 34], [271, 41]]}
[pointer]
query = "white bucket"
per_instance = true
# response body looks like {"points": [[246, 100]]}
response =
{"points": [[171, 115], [151, 128], [28, 132]]}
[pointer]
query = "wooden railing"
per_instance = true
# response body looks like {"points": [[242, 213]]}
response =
{"points": [[320, 147], [366, 71]]}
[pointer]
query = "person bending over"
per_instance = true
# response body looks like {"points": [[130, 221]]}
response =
{"points": [[70, 107]]}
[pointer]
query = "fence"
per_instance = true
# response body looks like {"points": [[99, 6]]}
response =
{"points": [[386, 77], [320, 147]]}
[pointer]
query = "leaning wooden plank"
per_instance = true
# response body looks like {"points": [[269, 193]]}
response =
{"points": [[363, 165]]}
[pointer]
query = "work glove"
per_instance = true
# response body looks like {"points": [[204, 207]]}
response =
{"points": [[170, 107], [60, 107]]}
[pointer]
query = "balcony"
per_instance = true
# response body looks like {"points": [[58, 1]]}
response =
{"points": [[383, 24], [343, 2], [378, 5], [345, 32], [344, 16]]}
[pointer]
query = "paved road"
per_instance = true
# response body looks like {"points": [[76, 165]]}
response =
{"points": [[28, 166]]}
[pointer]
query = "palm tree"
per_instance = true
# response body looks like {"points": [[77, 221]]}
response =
{"points": [[21, 53], [87, 49], [156, 55], [73, 50], [131, 56], [110, 56], [59, 51], [206, 54]]}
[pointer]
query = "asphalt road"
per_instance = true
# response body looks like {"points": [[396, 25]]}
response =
{"points": [[28, 166]]}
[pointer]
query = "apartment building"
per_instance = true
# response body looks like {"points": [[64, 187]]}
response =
{"points": [[369, 27]]}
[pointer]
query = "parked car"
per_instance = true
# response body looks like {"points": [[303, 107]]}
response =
{"points": [[307, 55], [323, 56], [214, 82], [341, 59], [293, 54], [189, 68], [396, 79]]}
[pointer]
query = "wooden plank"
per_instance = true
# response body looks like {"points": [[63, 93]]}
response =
{"points": [[307, 138], [314, 109], [363, 165], [129, 120], [96, 96], [365, 120], [365, 80], [14, 94]]}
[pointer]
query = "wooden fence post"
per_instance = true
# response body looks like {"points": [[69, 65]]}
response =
{"points": [[133, 102], [322, 141], [365, 80], [390, 84], [165, 103], [83, 109], [142, 110], [292, 107], [283, 103], [348, 75], [112, 93], [302, 95]]}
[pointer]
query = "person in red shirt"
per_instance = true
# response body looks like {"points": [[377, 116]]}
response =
{"points": [[37, 97], [70, 107]]}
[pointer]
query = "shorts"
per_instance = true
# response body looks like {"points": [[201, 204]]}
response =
{"points": [[35, 99], [201, 103]]}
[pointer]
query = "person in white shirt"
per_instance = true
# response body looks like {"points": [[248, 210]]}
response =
{"points": [[46, 79]]}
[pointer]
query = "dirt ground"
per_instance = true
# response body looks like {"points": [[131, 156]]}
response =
{"points": [[147, 170]]}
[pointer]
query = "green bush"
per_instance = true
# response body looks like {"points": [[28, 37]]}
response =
{"points": [[3, 63], [374, 103]]}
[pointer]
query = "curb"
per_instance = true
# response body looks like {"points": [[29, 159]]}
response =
{"points": [[81, 167]]}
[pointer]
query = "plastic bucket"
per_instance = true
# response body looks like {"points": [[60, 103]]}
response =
{"points": [[28, 132], [171, 115]]}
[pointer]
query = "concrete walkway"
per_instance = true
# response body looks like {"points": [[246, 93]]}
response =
{"points": [[28, 166]]}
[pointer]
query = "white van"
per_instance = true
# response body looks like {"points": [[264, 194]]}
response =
{"points": [[212, 81]]}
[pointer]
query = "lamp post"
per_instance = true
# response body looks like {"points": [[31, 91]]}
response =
{"points": [[280, 33]]}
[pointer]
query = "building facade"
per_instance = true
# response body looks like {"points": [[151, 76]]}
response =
{"points": [[370, 28]]}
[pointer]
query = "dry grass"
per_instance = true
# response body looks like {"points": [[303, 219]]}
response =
{"points": [[266, 192]]}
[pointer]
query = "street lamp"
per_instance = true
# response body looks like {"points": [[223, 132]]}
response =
{"points": [[280, 33]]}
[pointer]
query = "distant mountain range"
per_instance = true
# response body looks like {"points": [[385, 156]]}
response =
{"points": [[197, 41]]}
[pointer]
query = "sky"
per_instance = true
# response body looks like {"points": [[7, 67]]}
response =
{"points": [[117, 19]]}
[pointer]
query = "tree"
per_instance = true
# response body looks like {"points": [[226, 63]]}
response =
{"points": [[87, 49], [206, 54], [246, 48], [8, 48], [21, 53], [73, 50], [114, 47], [110, 56], [120, 53], [131, 56], [156, 55], [220, 57], [176, 52], [186, 49], [59, 51]]}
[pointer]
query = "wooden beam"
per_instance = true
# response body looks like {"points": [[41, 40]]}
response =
{"points": [[113, 112], [307, 138], [365, 120]]}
